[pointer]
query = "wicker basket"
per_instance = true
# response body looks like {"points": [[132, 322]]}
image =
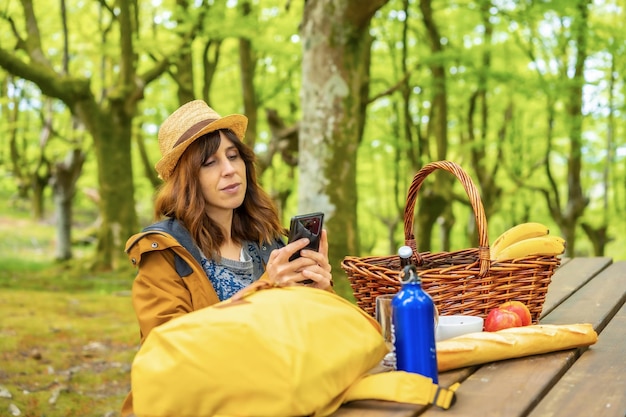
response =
{"points": [[460, 282]]}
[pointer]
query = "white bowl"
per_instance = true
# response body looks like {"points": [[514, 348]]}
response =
{"points": [[457, 325]]}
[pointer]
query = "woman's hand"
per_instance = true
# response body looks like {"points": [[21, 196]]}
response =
{"points": [[311, 265], [318, 267]]}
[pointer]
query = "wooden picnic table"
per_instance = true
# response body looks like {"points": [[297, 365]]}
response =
{"points": [[582, 382]]}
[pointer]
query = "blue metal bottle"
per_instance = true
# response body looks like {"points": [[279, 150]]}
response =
{"points": [[413, 316]]}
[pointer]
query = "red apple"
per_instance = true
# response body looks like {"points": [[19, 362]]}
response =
{"points": [[520, 309], [499, 319]]}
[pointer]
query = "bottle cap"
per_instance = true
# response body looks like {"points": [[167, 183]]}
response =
{"points": [[405, 252]]}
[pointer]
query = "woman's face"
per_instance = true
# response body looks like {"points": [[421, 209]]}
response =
{"points": [[223, 179]]}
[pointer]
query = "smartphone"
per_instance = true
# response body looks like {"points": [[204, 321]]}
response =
{"points": [[309, 226]]}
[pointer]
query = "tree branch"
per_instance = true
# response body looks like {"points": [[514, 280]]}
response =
{"points": [[33, 41], [397, 86], [20, 44], [51, 84]]}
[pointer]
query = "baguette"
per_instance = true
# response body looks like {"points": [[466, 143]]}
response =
{"points": [[482, 347]]}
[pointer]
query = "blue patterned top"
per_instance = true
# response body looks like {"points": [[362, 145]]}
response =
{"points": [[229, 276]]}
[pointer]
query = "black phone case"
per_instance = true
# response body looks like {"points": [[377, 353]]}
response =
{"points": [[299, 230]]}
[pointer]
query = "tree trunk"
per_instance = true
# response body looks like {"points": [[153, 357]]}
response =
{"points": [[485, 175], [567, 217], [39, 181], [440, 187], [111, 131], [247, 65], [146, 163], [184, 66], [66, 174], [576, 200], [598, 236], [22, 178], [335, 80]]}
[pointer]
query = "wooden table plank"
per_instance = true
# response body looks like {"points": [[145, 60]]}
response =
{"points": [[514, 387], [507, 388], [569, 277], [596, 302], [596, 384]]}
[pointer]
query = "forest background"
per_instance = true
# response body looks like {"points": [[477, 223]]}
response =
{"points": [[346, 100]]}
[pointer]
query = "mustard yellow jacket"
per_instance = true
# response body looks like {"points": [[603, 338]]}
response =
{"points": [[170, 282]]}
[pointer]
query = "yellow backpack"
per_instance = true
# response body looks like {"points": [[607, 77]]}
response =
{"points": [[270, 351]]}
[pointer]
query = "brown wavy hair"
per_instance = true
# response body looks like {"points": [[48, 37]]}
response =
{"points": [[180, 197]]}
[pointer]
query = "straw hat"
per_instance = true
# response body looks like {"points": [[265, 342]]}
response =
{"points": [[188, 123]]}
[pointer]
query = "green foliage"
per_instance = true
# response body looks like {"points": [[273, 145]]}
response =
{"points": [[531, 50]]}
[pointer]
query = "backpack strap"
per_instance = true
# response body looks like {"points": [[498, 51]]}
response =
{"points": [[396, 386], [176, 229], [179, 232], [404, 387]]}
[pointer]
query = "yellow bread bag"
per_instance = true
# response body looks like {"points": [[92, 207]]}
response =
{"points": [[292, 351], [482, 347]]}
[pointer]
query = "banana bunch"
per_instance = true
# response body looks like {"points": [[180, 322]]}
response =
{"points": [[526, 239]]}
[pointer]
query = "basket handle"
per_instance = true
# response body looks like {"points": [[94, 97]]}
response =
{"points": [[475, 201]]}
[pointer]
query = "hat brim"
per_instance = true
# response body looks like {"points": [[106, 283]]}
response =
{"points": [[238, 123]]}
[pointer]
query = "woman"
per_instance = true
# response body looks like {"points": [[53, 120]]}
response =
{"points": [[222, 231]]}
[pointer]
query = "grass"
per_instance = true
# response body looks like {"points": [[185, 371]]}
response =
{"points": [[66, 354], [67, 336]]}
